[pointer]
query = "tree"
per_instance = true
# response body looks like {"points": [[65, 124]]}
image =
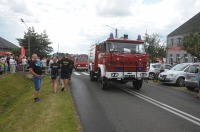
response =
{"points": [[39, 43], [16, 52], [153, 47], [191, 43]]}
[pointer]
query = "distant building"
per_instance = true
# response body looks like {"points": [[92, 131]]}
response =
{"points": [[6, 45], [174, 52]]}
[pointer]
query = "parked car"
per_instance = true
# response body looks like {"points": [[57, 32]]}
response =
{"points": [[176, 75], [190, 82], [155, 69]]}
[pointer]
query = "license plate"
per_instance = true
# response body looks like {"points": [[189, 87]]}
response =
{"points": [[162, 78], [192, 78], [129, 76]]}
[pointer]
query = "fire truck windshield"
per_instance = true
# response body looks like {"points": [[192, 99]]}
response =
{"points": [[133, 48]]}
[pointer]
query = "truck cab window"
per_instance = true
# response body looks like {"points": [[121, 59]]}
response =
{"points": [[133, 48], [102, 47]]}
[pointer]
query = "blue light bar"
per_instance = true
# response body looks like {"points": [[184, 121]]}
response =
{"points": [[111, 35], [139, 37]]}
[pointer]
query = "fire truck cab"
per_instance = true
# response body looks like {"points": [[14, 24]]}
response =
{"points": [[118, 60], [81, 62]]}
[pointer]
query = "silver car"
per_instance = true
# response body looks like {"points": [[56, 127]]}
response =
{"points": [[155, 69], [176, 75], [190, 82]]}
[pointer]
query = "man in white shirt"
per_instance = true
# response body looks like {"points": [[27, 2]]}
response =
{"points": [[44, 64], [12, 64], [24, 63]]}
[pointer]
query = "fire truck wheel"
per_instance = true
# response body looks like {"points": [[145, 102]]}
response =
{"points": [[137, 84], [92, 78]]}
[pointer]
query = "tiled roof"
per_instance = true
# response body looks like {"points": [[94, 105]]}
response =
{"points": [[4, 44], [192, 23]]}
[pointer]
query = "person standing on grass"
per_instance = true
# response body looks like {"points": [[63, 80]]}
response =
{"points": [[2, 65], [24, 63], [44, 64], [58, 61], [65, 71], [12, 63], [35, 69], [55, 70]]}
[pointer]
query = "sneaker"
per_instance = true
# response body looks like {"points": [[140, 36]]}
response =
{"points": [[62, 89], [38, 100]]}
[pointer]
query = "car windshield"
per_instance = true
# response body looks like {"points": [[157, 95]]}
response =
{"points": [[179, 67], [134, 48]]}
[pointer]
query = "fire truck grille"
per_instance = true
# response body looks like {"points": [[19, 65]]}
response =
{"points": [[126, 66]]}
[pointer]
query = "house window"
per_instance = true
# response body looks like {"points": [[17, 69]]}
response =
{"points": [[179, 40], [177, 57], [171, 58], [185, 58], [172, 42], [195, 59]]}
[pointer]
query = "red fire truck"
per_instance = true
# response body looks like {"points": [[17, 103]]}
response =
{"points": [[119, 60], [81, 62]]}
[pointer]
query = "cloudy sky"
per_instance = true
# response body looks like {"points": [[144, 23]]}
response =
{"points": [[74, 25]]}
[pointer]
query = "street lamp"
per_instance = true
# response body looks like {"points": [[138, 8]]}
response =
{"points": [[116, 30], [28, 28]]}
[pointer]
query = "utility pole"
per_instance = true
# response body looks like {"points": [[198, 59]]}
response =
{"points": [[116, 31], [29, 39]]}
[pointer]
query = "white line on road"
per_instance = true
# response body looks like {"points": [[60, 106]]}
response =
{"points": [[173, 110], [76, 73], [85, 73]]}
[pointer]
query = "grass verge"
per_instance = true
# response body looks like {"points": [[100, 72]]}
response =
{"points": [[18, 111]]}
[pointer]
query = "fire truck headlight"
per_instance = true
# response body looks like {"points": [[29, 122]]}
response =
{"points": [[114, 75], [143, 74]]}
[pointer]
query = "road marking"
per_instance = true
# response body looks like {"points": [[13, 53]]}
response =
{"points": [[173, 110], [85, 73], [76, 73]]}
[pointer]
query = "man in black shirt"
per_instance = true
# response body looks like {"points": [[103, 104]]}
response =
{"points": [[35, 69], [65, 64]]}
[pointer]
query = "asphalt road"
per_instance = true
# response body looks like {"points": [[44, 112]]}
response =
{"points": [[153, 108]]}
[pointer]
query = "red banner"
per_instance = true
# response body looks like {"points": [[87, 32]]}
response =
{"points": [[23, 52]]}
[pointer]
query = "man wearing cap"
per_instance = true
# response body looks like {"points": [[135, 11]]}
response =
{"points": [[65, 64]]}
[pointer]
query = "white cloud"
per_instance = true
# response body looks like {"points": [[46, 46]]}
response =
{"points": [[75, 24], [114, 8]]}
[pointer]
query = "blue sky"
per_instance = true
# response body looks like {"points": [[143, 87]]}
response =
{"points": [[75, 24]]}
